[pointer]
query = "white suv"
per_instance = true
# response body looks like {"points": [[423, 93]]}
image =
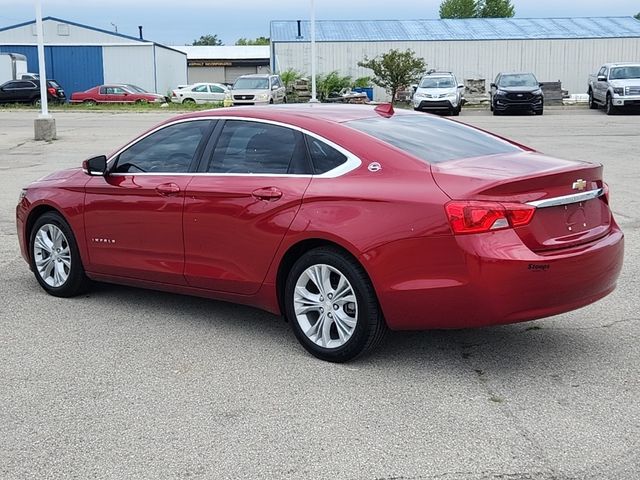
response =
{"points": [[439, 91], [258, 89]]}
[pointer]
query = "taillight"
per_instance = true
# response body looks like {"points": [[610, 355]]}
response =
{"points": [[52, 91], [477, 217]]}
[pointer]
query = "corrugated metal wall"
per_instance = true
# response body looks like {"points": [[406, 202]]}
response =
{"points": [[171, 69], [75, 68], [130, 64], [570, 61]]}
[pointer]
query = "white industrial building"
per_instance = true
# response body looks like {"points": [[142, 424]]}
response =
{"points": [[223, 64], [565, 49], [80, 57]]}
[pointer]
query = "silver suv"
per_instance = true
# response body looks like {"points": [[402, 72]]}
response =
{"points": [[439, 91], [258, 89]]}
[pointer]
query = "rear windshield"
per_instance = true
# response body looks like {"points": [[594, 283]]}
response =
{"points": [[431, 138], [251, 84]]}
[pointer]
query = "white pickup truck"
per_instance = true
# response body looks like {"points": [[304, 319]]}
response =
{"points": [[616, 85]]}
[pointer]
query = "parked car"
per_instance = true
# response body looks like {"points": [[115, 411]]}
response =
{"points": [[116, 93], [615, 86], [516, 92], [346, 219], [200, 93], [258, 89], [439, 91], [28, 91]]}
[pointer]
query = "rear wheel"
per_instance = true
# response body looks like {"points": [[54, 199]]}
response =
{"points": [[55, 259], [332, 306], [89, 102], [36, 102], [190, 101], [592, 104]]}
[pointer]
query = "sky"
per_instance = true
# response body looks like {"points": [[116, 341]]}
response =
{"points": [[180, 22]]}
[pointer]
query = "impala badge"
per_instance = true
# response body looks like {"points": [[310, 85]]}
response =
{"points": [[579, 184], [374, 167]]}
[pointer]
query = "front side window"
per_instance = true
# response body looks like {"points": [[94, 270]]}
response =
{"points": [[215, 89], [260, 148], [169, 150], [432, 139]]}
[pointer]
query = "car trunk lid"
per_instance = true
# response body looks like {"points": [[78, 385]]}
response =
{"points": [[568, 195]]}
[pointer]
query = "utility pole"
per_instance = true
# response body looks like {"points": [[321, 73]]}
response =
{"points": [[45, 124], [313, 53]]}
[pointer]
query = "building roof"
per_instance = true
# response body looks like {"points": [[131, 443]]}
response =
{"points": [[457, 29], [235, 52], [88, 27]]}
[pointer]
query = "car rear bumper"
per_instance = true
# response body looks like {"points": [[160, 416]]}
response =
{"points": [[488, 279]]}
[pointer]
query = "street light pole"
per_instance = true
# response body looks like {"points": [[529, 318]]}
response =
{"points": [[313, 53], [45, 125]]}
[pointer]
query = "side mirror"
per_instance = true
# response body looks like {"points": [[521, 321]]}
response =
{"points": [[460, 85], [602, 78], [96, 166], [274, 87], [540, 85], [493, 85]]}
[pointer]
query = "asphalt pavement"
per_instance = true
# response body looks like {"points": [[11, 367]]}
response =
{"points": [[129, 383]]}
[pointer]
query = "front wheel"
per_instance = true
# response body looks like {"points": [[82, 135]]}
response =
{"points": [[332, 306], [55, 259], [609, 108], [592, 103]]}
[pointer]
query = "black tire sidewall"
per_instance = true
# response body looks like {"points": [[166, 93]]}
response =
{"points": [[76, 282], [368, 310]]}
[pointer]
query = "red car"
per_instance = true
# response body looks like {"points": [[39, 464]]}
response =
{"points": [[346, 219], [116, 94]]}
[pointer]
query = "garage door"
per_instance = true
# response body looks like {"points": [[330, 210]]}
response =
{"points": [[231, 73]]}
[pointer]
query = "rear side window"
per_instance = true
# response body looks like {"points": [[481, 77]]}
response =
{"points": [[259, 148], [431, 138], [323, 156]]}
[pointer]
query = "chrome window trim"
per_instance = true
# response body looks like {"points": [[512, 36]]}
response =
{"points": [[351, 164], [567, 199]]}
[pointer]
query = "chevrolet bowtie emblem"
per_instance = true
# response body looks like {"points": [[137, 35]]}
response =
{"points": [[579, 184]]}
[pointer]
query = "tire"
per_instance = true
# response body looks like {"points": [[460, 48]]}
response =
{"points": [[36, 102], [352, 327], [271, 101], [496, 112], [592, 104], [538, 112], [609, 108], [284, 99], [89, 102], [456, 111], [189, 101], [54, 257]]}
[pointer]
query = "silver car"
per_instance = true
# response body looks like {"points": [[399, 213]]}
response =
{"points": [[439, 91], [258, 89]]}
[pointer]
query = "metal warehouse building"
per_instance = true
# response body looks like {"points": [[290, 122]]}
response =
{"points": [[565, 49], [80, 57], [223, 64]]}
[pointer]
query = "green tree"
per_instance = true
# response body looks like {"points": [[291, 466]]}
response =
{"points": [[208, 40], [257, 41], [331, 82], [458, 9], [395, 69], [495, 9]]}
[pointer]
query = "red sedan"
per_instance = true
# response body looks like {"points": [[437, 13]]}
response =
{"points": [[116, 94], [346, 219]]}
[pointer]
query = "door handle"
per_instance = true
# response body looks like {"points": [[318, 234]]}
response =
{"points": [[168, 189], [270, 194]]}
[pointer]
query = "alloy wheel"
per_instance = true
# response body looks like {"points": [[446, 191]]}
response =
{"points": [[325, 306], [52, 255]]}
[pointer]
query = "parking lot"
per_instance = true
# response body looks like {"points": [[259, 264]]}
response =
{"points": [[129, 383]]}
